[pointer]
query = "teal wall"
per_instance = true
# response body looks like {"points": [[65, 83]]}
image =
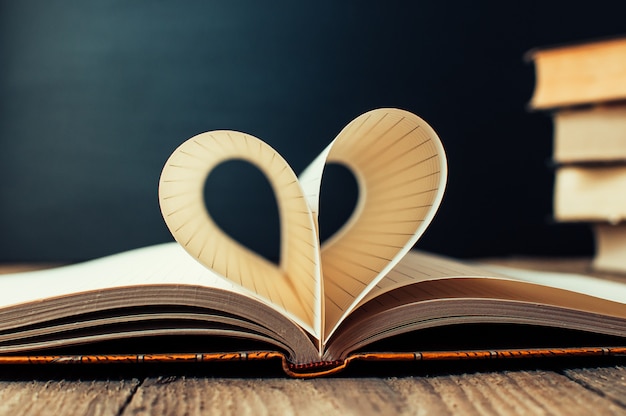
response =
{"points": [[94, 96]]}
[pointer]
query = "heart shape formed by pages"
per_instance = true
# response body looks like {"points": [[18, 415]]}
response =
{"points": [[400, 167]]}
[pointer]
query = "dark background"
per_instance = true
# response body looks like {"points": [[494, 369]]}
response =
{"points": [[94, 96]]}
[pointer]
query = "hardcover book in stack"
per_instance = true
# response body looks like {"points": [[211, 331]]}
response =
{"points": [[583, 87]]}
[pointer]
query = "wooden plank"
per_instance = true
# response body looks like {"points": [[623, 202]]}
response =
{"points": [[607, 381], [361, 396], [62, 397], [509, 392], [264, 396], [585, 391]]}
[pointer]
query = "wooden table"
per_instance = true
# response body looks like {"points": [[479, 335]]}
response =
{"points": [[590, 386]]}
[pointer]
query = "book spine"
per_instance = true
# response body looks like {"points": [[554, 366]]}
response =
{"points": [[317, 369]]}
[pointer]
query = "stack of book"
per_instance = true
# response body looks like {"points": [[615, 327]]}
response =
{"points": [[583, 86]]}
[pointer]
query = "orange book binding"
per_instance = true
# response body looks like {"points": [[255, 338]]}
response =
{"points": [[317, 369]]}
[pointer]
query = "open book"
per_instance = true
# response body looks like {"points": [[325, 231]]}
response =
{"points": [[320, 306]]}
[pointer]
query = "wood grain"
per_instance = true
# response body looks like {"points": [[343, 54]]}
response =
{"points": [[61, 397], [510, 392], [220, 396], [609, 382], [537, 392]]}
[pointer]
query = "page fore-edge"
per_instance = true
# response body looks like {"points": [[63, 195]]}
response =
{"points": [[316, 369]]}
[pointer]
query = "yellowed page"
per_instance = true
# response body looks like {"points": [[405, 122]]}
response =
{"points": [[165, 263], [400, 166], [294, 285], [571, 282], [417, 266], [401, 170]]}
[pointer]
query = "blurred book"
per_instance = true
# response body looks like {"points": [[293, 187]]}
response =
{"points": [[579, 74], [590, 193], [583, 88], [596, 134], [610, 247]]}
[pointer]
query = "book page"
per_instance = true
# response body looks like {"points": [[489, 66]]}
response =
{"points": [[428, 290], [71, 304], [401, 171], [419, 266], [294, 285], [592, 286], [165, 263], [400, 167], [478, 300]]}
